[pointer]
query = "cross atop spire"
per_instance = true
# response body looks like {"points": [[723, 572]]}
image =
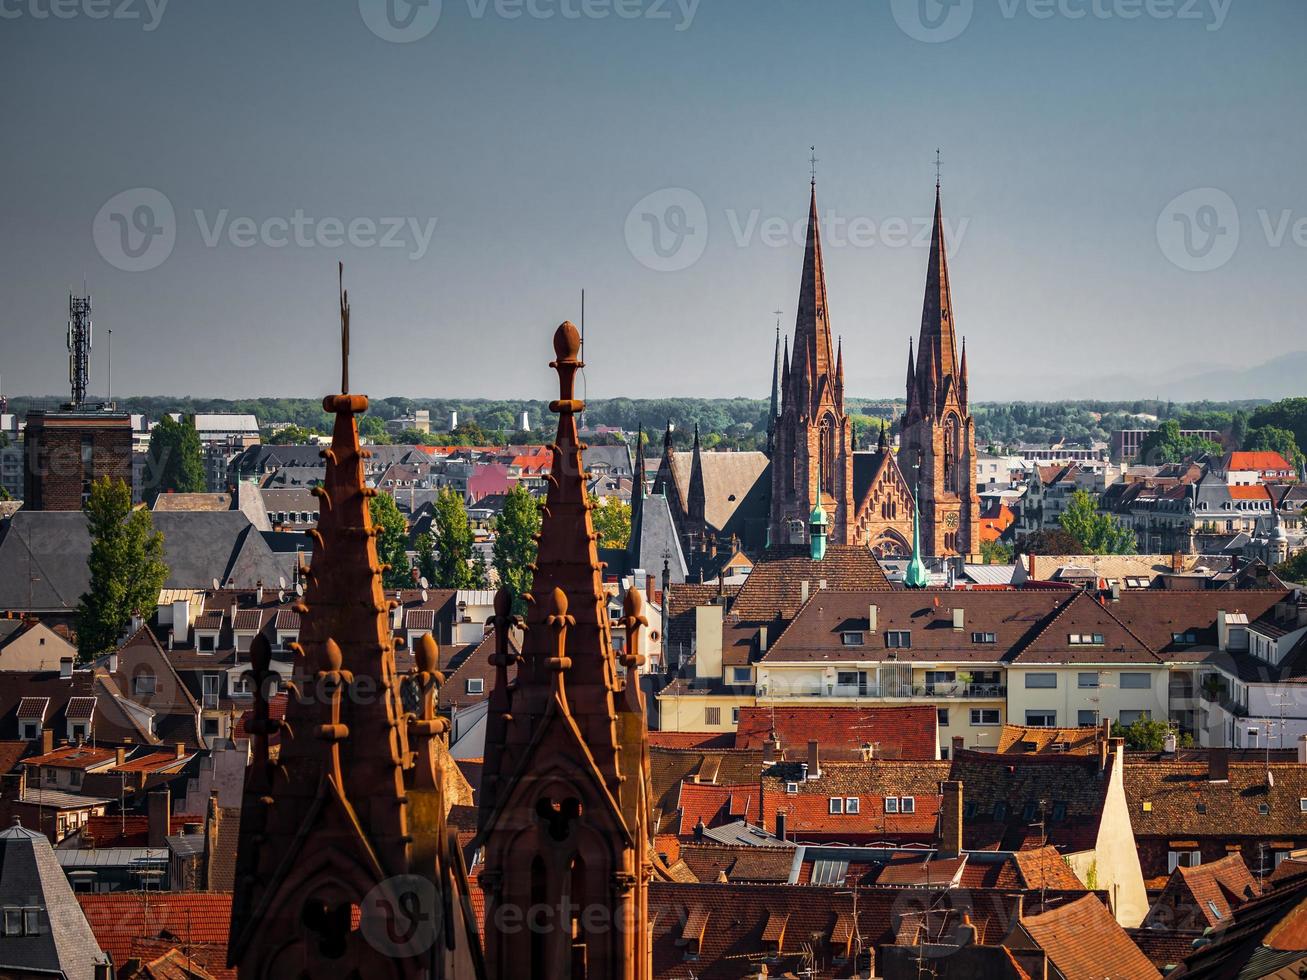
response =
{"points": [[937, 168], [812, 162]]}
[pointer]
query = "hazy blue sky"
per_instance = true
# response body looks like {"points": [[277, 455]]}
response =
{"points": [[534, 135]]}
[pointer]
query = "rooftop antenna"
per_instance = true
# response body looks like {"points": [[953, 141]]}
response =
{"points": [[108, 395], [79, 346], [344, 329]]}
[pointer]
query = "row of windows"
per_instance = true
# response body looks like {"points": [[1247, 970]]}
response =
{"points": [[22, 921], [1047, 717], [1130, 680]]}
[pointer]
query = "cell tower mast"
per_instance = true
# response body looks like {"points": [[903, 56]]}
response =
{"points": [[79, 346]]}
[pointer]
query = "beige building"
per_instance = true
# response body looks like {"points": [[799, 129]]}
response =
{"points": [[31, 645]]}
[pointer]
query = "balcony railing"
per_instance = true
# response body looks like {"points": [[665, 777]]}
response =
{"points": [[923, 691]]}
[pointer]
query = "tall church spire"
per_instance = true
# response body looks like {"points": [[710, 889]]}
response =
{"points": [[814, 360], [329, 825], [637, 498], [565, 815], [938, 345]]}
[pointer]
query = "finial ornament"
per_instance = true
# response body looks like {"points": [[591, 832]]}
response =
{"points": [[937, 168], [344, 329], [812, 163]]}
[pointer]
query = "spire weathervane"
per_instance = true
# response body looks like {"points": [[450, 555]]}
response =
{"points": [[344, 330], [937, 168], [812, 162]]}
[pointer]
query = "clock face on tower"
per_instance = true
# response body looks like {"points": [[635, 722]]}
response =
{"points": [[951, 519]]}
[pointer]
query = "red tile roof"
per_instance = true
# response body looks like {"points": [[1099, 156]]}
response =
{"points": [[1258, 460], [154, 762], [716, 805], [131, 830], [895, 732], [1255, 492], [126, 922], [691, 740], [1084, 942], [73, 757]]}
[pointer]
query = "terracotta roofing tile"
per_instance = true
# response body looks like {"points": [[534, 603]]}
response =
{"points": [[154, 762], [737, 862], [33, 709], [73, 757], [210, 620], [715, 805], [776, 582], [1257, 460], [420, 619], [1024, 740], [130, 830], [200, 919], [1042, 867], [895, 732], [80, 709], [248, 620], [1177, 799], [1086, 631], [1204, 896], [287, 620], [1084, 942], [691, 740]]}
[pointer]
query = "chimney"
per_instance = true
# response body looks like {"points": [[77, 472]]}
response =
{"points": [[171, 636], [871, 618], [959, 620], [1177, 562], [762, 639], [47, 741], [769, 752], [967, 934], [1116, 591], [958, 744], [113, 662], [1169, 744], [649, 591], [867, 751], [1302, 749], [258, 592], [814, 760], [1218, 765], [211, 824], [780, 824], [120, 756], [803, 591], [65, 668], [159, 807], [950, 819], [181, 750], [699, 829], [1031, 560]]}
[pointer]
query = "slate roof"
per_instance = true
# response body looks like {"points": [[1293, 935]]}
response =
{"points": [[198, 548], [64, 944]]}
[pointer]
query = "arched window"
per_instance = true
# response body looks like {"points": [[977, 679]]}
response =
{"points": [[952, 451], [827, 450]]}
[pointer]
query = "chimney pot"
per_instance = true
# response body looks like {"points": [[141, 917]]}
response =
{"points": [[120, 756], [780, 824], [181, 749], [66, 668]]}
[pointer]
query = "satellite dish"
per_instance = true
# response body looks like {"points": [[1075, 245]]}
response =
{"points": [[424, 595], [216, 585], [281, 582], [281, 595], [299, 589], [424, 583]]}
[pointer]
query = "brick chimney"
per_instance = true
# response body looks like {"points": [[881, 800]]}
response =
{"points": [[814, 760], [1218, 765], [780, 824], [950, 819], [959, 743], [120, 756], [159, 808], [181, 750], [47, 741], [211, 825], [769, 752]]}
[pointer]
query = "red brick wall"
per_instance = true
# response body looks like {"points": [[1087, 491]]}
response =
{"points": [[53, 476]]}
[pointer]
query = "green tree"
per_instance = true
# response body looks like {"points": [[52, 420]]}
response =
{"points": [[425, 546], [1294, 570], [126, 564], [480, 571], [1290, 413], [611, 517], [392, 543], [1271, 438], [1147, 735], [515, 545], [1166, 445], [173, 460], [4, 494], [1050, 541], [292, 435], [454, 541], [996, 553], [1097, 533]]}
